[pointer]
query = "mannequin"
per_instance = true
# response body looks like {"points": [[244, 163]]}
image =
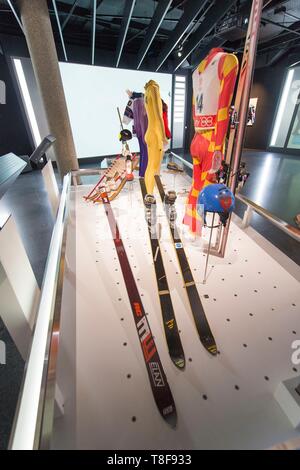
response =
{"points": [[135, 110], [155, 136], [213, 87]]}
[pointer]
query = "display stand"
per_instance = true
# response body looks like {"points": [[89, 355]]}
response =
{"points": [[226, 401]]}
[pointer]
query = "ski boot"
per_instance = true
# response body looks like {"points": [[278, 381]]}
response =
{"points": [[170, 208], [150, 212]]}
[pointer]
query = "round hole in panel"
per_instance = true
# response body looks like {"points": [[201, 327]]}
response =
{"points": [[294, 369], [294, 332], [124, 344], [122, 319], [236, 387], [133, 419], [190, 359], [245, 345], [270, 338], [128, 376], [267, 378], [204, 397], [251, 314], [228, 319]]}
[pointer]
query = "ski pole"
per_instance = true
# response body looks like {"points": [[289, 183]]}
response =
{"points": [[119, 114], [208, 249]]}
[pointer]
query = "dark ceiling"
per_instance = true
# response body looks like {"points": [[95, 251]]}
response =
{"points": [[165, 35]]}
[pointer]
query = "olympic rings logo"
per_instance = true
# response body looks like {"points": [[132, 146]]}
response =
{"points": [[205, 121]]}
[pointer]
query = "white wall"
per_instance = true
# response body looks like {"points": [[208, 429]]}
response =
{"points": [[93, 94]]}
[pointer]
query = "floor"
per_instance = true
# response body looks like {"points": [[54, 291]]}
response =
{"points": [[34, 219], [274, 184]]}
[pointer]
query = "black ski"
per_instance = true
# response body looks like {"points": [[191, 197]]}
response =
{"points": [[158, 380], [170, 325], [202, 325]]}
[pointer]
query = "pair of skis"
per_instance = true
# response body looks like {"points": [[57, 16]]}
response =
{"points": [[170, 325], [157, 377]]}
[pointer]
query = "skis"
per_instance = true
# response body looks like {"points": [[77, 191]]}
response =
{"points": [[158, 381], [241, 104], [170, 325], [202, 325]]}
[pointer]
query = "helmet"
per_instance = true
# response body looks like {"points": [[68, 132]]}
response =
{"points": [[125, 135], [217, 198]]}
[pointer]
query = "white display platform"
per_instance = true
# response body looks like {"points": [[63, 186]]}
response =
{"points": [[253, 307]]}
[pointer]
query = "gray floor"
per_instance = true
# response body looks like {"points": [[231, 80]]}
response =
{"points": [[274, 183]]}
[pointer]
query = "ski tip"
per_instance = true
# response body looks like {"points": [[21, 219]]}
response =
{"points": [[213, 349], [171, 418], [179, 362], [210, 345]]}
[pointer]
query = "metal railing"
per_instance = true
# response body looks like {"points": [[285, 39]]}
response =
{"points": [[290, 230], [39, 375]]}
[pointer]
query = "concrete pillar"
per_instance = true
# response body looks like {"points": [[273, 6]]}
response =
{"points": [[40, 41]]}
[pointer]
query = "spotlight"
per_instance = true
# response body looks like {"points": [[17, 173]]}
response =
{"points": [[179, 53]]}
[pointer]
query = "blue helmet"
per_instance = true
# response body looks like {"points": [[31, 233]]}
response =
{"points": [[217, 198]]}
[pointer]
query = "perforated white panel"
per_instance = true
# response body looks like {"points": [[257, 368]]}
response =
{"points": [[252, 304]]}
